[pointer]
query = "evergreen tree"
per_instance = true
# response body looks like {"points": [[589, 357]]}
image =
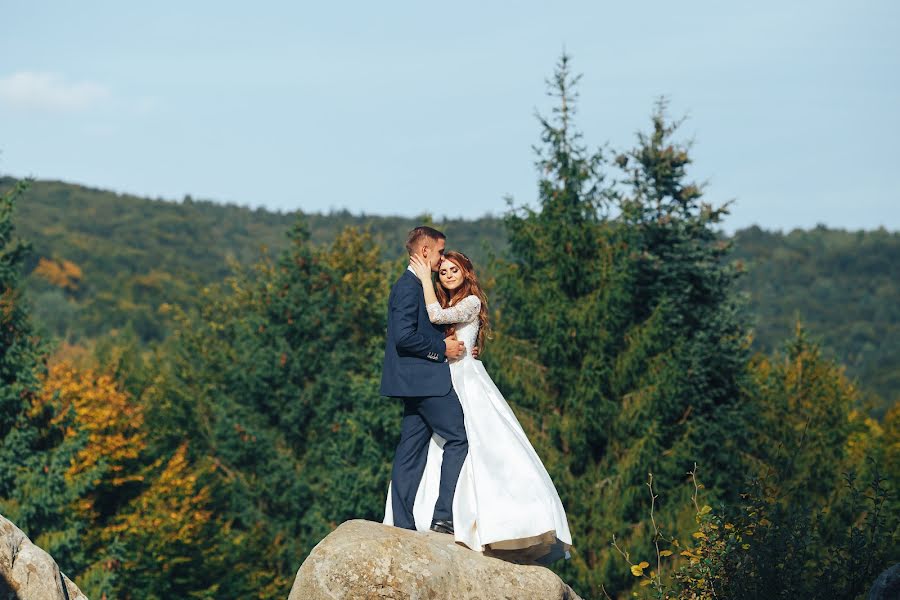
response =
{"points": [[816, 520], [634, 320], [65, 443], [21, 366], [681, 272], [275, 383], [20, 353]]}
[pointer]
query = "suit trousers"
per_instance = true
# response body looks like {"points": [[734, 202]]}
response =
{"points": [[422, 416]]}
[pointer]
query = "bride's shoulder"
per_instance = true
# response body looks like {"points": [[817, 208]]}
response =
{"points": [[472, 299], [469, 300]]}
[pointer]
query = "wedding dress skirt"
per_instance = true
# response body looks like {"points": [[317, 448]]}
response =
{"points": [[505, 502]]}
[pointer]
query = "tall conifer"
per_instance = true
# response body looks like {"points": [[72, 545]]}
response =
{"points": [[624, 296]]}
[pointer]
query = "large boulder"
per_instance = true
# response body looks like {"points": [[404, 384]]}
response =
{"points": [[362, 559], [887, 585], [29, 573]]}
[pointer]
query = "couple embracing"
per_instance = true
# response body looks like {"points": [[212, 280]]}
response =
{"points": [[464, 465]]}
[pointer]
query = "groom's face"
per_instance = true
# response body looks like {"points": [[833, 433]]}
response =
{"points": [[436, 254]]}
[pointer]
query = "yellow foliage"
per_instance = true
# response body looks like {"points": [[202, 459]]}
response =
{"points": [[170, 515], [809, 429], [111, 420], [61, 273]]}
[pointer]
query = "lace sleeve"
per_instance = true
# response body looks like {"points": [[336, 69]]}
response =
{"points": [[463, 312]]}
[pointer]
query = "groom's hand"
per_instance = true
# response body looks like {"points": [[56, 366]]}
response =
{"points": [[475, 352], [455, 348]]}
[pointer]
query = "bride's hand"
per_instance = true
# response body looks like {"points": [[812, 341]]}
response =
{"points": [[422, 270]]}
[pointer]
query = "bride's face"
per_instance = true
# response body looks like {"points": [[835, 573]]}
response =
{"points": [[450, 275]]}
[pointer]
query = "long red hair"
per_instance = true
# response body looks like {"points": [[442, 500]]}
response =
{"points": [[469, 287]]}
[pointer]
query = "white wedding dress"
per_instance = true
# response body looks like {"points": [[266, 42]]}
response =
{"points": [[505, 502]]}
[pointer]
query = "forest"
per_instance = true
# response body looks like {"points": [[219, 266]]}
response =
{"points": [[107, 264], [189, 391]]}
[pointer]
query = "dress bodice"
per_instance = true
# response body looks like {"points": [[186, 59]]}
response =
{"points": [[464, 315], [468, 334]]}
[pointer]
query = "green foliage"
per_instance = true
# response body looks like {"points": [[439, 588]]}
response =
{"points": [[803, 527], [20, 352], [636, 323], [842, 285], [274, 380], [815, 532], [29, 488], [42, 437], [788, 550], [140, 256]]}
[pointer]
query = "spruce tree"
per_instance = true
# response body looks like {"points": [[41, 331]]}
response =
{"points": [[274, 383], [20, 353], [623, 296], [561, 306], [21, 367], [69, 439], [682, 273]]}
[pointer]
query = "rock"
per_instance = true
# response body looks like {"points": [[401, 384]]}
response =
{"points": [[72, 589], [887, 585], [362, 559], [29, 573]]}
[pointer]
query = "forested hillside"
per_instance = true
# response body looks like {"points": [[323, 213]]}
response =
{"points": [[843, 285], [104, 261], [213, 412]]}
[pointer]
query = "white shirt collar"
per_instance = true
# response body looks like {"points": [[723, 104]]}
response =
{"points": [[410, 269]]}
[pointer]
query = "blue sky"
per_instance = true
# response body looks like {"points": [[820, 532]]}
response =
{"points": [[412, 107]]}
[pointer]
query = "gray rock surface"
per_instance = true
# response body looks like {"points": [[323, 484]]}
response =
{"points": [[362, 559], [29, 573], [887, 585]]}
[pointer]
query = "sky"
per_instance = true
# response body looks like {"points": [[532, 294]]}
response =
{"points": [[405, 108]]}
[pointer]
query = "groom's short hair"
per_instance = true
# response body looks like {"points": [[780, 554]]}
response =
{"points": [[415, 237]]}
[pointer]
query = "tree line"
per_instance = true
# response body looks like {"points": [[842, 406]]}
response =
{"points": [[106, 264]]}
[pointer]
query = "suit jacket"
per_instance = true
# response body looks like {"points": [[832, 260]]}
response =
{"points": [[414, 360]]}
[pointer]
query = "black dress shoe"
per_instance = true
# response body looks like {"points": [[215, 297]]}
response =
{"points": [[442, 526]]}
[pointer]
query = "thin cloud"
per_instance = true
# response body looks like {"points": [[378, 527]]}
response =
{"points": [[29, 90]]}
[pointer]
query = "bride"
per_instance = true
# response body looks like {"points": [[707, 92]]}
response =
{"points": [[505, 502]]}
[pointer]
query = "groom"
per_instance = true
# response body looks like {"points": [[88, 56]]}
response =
{"points": [[416, 371]]}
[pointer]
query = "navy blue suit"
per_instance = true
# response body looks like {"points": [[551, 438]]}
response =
{"points": [[414, 360], [415, 370]]}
